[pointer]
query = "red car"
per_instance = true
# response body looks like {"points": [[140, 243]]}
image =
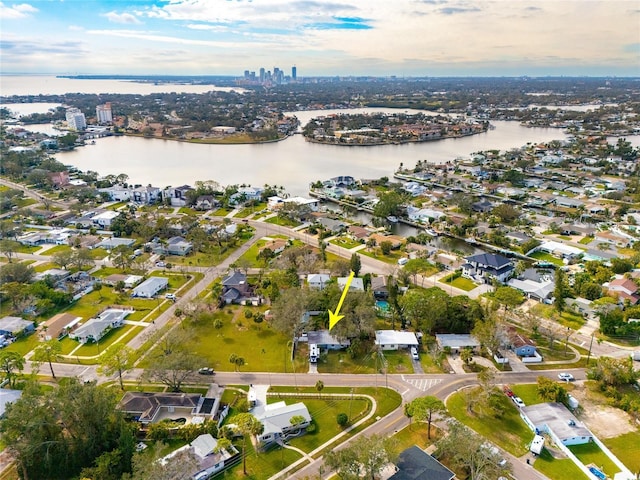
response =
{"points": [[507, 391]]}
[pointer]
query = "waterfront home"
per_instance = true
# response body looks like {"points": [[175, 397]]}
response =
{"points": [[487, 267], [534, 285], [340, 181], [206, 202], [177, 196], [246, 194], [104, 219], [147, 195], [568, 202], [331, 225], [423, 215], [379, 287], [129, 281], [560, 250]]}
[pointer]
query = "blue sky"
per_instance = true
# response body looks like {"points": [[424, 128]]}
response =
{"points": [[332, 37]]}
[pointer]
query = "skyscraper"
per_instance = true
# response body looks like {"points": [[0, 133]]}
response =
{"points": [[294, 73]]}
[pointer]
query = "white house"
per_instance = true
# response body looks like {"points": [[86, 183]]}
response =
{"points": [[394, 339], [456, 342], [150, 287], [96, 328], [356, 285], [485, 267], [104, 219], [318, 280], [276, 418]]}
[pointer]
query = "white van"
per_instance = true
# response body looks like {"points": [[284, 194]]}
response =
{"points": [[402, 261], [414, 353], [170, 296]]}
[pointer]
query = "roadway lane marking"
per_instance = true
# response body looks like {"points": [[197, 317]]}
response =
{"points": [[423, 384]]}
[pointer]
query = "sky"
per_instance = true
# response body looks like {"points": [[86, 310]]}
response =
{"points": [[322, 37]]}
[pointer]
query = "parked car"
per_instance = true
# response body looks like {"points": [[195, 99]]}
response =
{"points": [[518, 401], [160, 264], [566, 377], [414, 353], [206, 371], [170, 296]]}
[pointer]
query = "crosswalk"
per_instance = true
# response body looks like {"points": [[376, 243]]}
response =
{"points": [[422, 384]]}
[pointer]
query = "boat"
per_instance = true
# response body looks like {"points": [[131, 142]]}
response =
{"points": [[431, 231], [392, 219]]}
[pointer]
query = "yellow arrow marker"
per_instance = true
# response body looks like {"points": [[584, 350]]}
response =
{"points": [[334, 317]]}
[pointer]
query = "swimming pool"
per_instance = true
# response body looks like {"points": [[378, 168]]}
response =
{"points": [[382, 305], [598, 473]]}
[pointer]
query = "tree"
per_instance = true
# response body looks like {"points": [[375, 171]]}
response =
{"points": [[469, 452], [63, 258], [56, 433], [389, 204], [365, 456], [8, 248], [319, 387], [246, 425], [508, 297], [424, 408], [561, 290], [613, 372], [119, 358], [386, 247], [172, 363], [297, 420], [49, 352], [10, 363], [82, 258], [356, 264], [16, 272], [236, 360], [288, 309], [342, 419], [551, 391], [466, 355]]}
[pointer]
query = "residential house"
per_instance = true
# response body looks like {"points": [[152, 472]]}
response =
{"points": [[110, 243], [487, 267], [414, 188], [558, 422], [59, 179], [96, 328], [625, 288], [246, 194], [117, 193], [84, 241], [236, 289], [150, 287], [333, 226], [178, 246], [177, 196], [560, 250], [210, 460], [340, 181], [423, 214], [206, 202], [415, 464], [517, 237], [324, 340], [356, 285], [395, 240], [395, 340], [482, 206], [146, 407], [379, 287], [276, 419], [456, 342], [147, 195], [521, 345], [573, 229], [568, 202], [357, 233], [129, 281], [58, 326], [318, 281], [612, 239], [104, 219], [53, 274], [15, 326], [277, 246]]}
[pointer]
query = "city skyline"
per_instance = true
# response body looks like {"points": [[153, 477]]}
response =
{"points": [[379, 38]]}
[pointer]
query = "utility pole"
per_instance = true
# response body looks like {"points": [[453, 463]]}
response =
{"points": [[590, 345]]}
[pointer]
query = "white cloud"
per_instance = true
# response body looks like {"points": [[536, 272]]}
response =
{"points": [[21, 10], [126, 18]]}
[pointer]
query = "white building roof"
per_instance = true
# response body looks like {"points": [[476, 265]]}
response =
{"points": [[395, 337], [277, 416]]}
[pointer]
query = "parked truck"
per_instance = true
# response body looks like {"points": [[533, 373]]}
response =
{"points": [[537, 444], [635, 355]]}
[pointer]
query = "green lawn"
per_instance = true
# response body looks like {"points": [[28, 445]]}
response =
{"points": [[93, 349], [245, 212], [251, 255], [568, 319], [345, 242], [57, 249], [117, 205], [557, 469], [527, 392], [263, 348], [508, 430], [283, 222], [416, 434], [341, 362], [460, 282], [546, 257], [392, 258], [590, 453], [627, 448], [43, 267], [324, 412], [222, 212], [585, 240]]}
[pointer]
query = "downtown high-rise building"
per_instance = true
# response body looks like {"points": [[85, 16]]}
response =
{"points": [[294, 73]]}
